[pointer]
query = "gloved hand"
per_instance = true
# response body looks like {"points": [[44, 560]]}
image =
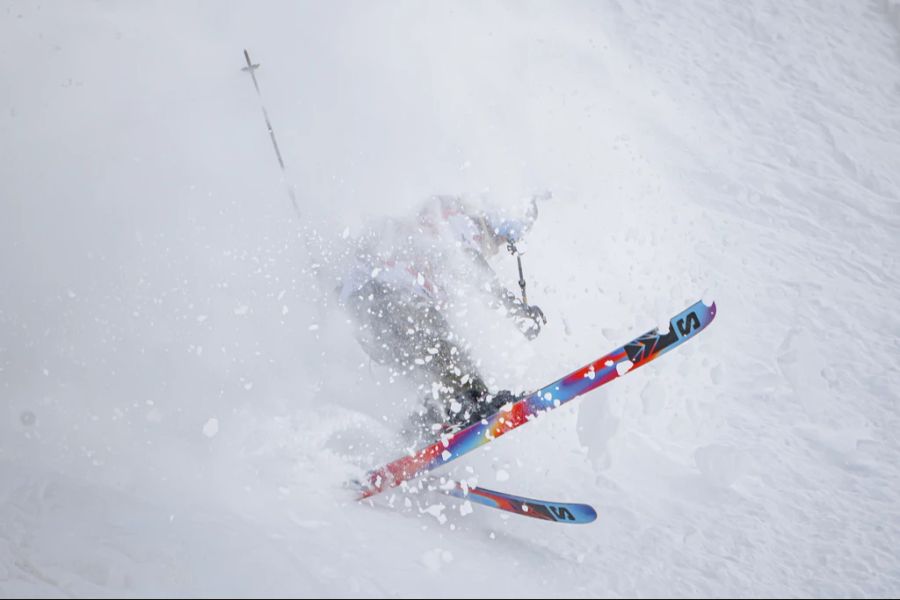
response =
{"points": [[529, 319]]}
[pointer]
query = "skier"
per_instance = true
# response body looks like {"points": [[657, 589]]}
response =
{"points": [[403, 282]]}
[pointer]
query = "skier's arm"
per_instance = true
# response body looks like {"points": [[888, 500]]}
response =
{"points": [[528, 318]]}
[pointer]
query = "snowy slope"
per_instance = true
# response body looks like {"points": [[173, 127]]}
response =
{"points": [[178, 413]]}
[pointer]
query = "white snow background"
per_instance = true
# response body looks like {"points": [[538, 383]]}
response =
{"points": [[178, 414]]}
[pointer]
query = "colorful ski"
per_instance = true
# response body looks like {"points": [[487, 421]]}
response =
{"points": [[632, 355], [558, 512]]}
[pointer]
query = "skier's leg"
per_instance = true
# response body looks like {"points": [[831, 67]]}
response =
{"points": [[383, 324], [411, 336], [455, 380]]}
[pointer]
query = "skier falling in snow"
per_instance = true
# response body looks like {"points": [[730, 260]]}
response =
{"points": [[406, 278]]}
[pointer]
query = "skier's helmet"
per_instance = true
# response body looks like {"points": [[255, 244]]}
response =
{"points": [[504, 226]]}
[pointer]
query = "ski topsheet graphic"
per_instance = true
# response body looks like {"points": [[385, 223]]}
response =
{"points": [[557, 512], [620, 361]]}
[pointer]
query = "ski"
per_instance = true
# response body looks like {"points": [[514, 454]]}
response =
{"points": [[557, 512], [634, 354]]}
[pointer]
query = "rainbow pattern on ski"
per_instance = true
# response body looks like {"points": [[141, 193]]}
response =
{"points": [[632, 355]]}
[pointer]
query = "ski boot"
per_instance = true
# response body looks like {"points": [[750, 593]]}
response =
{"points": [[474, 409], [425, 425]]}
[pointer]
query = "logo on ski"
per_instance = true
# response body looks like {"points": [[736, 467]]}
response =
{"points": [[652, 343], [562, 513], [688, 324]]}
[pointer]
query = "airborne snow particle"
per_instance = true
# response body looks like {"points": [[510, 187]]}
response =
{"points": [[624, 366], [211, 428], [436, 511]]}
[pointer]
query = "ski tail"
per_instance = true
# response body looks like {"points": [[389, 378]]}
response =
{"points": [[557, 512]]}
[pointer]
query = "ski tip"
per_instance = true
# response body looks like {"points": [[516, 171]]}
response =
{"points": [[706, 310], [582, 513]]}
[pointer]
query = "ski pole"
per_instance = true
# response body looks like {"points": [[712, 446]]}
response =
{"points": [[511, 246], [311, 237], [251, 68]]}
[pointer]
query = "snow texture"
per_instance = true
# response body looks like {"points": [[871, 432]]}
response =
{"points": [[155, 275]]}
